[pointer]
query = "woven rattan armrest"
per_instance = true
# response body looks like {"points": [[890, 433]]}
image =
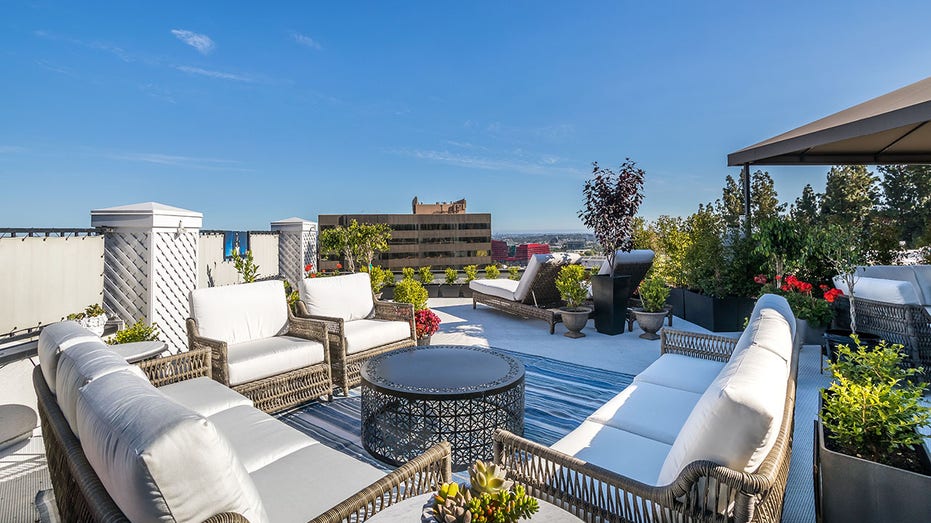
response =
{"points": [[389, 310], [178, 367], [418, 476], [219, 352], [696, 345]]}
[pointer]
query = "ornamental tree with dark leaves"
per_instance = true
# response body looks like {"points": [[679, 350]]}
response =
{"points": [[611, 203]]}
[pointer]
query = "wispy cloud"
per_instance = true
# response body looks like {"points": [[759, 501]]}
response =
{"points": [[214, 74], [201, 42], [11, 149], [546, 166], [188, 162], [306, 41], [117, 51]]}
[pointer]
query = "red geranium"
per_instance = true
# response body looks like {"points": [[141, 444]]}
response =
{"points": [[832, 295], [760, 278], [339, 266], [427, 322]]}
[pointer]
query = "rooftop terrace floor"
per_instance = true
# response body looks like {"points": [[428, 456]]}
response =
{"points": [[23, 472]]}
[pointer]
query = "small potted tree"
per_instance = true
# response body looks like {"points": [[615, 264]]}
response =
{"points": [[425, 275], [471, 273], [611, 203], [571, 284], [653, 294], [451, 288]]}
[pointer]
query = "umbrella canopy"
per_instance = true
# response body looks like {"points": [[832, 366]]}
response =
{"points": [[890, 129]]}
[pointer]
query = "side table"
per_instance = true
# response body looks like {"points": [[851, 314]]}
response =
{"points": [[140, 350]]}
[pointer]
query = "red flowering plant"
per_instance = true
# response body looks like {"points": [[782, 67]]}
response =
{"points": [[806, 306], [427, 323]]}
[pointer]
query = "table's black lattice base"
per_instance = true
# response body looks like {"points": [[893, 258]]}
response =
{"points": [[396, 429]]}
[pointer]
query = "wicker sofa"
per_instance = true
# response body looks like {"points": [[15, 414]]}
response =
{"points": [[703, 434], [120, 449], [258, 347]]}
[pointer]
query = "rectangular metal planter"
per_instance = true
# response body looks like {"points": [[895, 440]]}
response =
{"points": [[676, 300], [717, 314], [610, 295], [449, 291]]}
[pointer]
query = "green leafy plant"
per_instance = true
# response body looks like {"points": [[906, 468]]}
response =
{"points": [[388, 278], [491, 499], [873, 407], [90, 311], [570, 282], [292, 295], [653, 293], [409, 290], [492, 272], [138, 331], [841, 246], [471, 272], [407, 273], [451, 275], [377, 278], [425, 275], [245, 266], [514, 272]]}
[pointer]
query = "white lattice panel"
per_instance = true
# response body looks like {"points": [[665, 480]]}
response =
{"points": [[125, 275], [295, 251], [175, 276]]}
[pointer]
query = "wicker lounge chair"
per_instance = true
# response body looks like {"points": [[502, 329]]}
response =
{"points": [[533, 296], [258, 348], [360, 327]]}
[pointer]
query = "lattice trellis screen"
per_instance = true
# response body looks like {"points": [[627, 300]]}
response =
{"points": [[125, 275], [174, 278], [297, 246]]}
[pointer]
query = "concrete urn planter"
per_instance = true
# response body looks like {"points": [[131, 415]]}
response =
{"points": [[574, 318], [650, 322]]}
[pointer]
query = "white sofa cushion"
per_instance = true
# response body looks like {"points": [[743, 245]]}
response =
{"points": [[621, 257], [923, 277], [681, 372], [82, 364], [204, 395], [306, 483], [617, 450], [908, 273], [55, 338], [888, 291], [158, 460], [348, 296], [534, 264], [736, 421], [364, 334], [771, 331], [502, 288], [241, 313], [257, 438], [257, 359], [652, 411]]}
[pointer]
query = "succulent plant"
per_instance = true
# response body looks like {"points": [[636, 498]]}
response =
{"points": [[488, 478], [451, 504]]}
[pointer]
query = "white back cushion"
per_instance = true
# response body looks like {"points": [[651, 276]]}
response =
{"points": [[533, 268], [892, 272], [923, 277], [158, 460], [634, 256], [772, 326], [347, 296], [82, 364], [240, 313], [56, 338], [736, 421], [889, 291]]}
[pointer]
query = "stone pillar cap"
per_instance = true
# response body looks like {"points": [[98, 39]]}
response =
{"points": [[293, 223], [146, 215]]}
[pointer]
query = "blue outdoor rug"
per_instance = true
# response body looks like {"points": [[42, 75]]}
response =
{"points": [[558, 397]]}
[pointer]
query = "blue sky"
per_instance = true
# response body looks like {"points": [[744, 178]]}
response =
{"points": [[253, 113]]}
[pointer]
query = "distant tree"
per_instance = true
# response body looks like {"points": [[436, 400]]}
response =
{"points": [[337, 240], [672, 243], [764, 201], [851, 194], [806, 207], [644, 237], [907, 198], [368, 239]]}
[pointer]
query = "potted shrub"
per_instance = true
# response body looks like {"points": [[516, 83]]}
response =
{"points": [[387, 291], [492, 272], [514, 273], [425, 275], [572, 287], [92, 318], [653, 294], [426, 323], [611, 203], [377, 280], [870, 461], [409, 290], [451, 288], [812, 314], [471, 272]]}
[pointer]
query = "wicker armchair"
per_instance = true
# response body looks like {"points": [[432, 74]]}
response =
{"points": [[906, 324], [703, 491], [232, 320], [359, 326]]}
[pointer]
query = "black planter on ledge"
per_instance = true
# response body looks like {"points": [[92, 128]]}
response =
{"points": [[610, 294], [717, 314]]}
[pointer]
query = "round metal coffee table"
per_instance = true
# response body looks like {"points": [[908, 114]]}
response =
{"points": [[416, 397]]}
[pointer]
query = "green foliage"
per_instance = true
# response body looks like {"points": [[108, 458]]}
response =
{"points": [[907, 199], [409, 290], [246, 267], [704, 258], [805, 210], [367, 239], [851, 193], [782, 242], [764, 201], [378, 278], [337, 240], [816, 311], [841, 247], [653, 293], [471, 272], [672, 243], [425, 275], [873, 408], [407, 273], [90, 311], [492, 272], [505, 506], [451, 275], [514, 272], [388, 277], [292, 295], [570, 282], [138, 331]]}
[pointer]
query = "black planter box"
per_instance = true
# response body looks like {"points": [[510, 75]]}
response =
{"points": [[676, 300], [465, 291], [610, 295], [449, 291], [433, 290], [717, 314], [848, 488], [387, 292]]}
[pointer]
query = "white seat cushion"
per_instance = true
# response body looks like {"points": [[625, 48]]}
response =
{"points": [[348, 296], [502, 288], [617, 450], [82, 364], [736, 421], [257, 438], [158, 460], [204, 395], [888, 291], [55, 338], [306, 483], [536, 262], [365, 334], [241, 313], [681, 372], [652, 411], [254, 360]]}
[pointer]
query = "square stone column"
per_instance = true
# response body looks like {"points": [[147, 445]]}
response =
{"points": [[150, 265], [297, 246]]}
